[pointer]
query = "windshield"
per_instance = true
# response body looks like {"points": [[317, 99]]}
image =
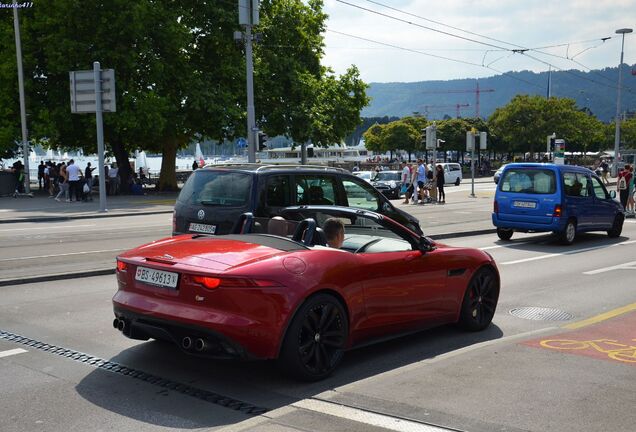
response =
{"points": [[387, 176], [528, 180], [217, 188]]}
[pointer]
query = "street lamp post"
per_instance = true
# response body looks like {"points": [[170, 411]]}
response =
{"points": [[25, 143], [617, 133]]}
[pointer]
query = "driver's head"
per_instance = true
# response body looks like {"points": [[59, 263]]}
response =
{"points": [[334, 231]]}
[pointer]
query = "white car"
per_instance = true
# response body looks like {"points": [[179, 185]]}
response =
{"points": [[364, 175], [452, 173]]}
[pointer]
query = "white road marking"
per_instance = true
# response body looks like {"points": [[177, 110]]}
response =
{"points": [[12, 352], [572, 252], [60, 230], [52, 229], [366, 417], [627, 266], [61, 255]]}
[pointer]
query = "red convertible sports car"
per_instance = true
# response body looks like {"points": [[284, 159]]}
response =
{"points": [[273, 289]]}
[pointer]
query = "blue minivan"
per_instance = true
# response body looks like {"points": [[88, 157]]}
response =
{"points": [[564, 199]]}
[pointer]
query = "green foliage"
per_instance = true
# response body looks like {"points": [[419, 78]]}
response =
{"points": [[628, 133]]}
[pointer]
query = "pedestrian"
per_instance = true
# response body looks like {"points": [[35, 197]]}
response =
{"points": [[62, 179], [41, 181], [88, 175], [18, 172], [113, 179], [439, 180], [73, 173], [421, 179], [622, 184], [195, 165], [630, 193], [52, 179], [414, 189], [605, 173], [406, 179]]}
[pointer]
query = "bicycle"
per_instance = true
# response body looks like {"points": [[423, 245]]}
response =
{"points": [[614, 349]]}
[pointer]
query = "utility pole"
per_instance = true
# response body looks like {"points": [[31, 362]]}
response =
{"points": [[25, 143], [249, 17], [617, 132]]}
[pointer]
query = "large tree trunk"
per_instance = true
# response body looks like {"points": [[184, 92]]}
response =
{"points": [[168, 174], [124, 172]]}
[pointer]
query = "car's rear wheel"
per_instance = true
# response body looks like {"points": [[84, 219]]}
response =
{"points": [[315, 341], [569, 233], [480, 300], [617, 226], [504, 233]]}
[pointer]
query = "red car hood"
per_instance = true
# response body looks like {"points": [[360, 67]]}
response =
{"points": [[216, 254]]}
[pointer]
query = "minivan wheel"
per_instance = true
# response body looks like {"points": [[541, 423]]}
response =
{"points": [[504, 233], [569, 234], [457, 181], [617, 226]]}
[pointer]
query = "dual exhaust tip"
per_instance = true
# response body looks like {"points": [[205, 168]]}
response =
{"points": [[119, 324], [188, 343]]}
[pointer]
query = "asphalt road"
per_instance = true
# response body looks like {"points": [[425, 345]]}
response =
{"points": [[507, 378]]}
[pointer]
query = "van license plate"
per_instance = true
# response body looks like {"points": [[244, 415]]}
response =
{"points": [[524, 204], [157, 277], [202, 228]]}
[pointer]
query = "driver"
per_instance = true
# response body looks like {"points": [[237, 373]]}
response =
{"points": [[334, 231]]}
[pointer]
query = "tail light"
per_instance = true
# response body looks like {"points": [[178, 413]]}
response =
{"points": [[213, 283], [558, 211], [121, 266], [495, 207]]}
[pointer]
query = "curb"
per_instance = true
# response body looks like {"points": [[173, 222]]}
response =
{"points": [[462, 234], [58, 276], [74, 217]]}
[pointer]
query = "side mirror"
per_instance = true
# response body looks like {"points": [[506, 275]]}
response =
{"points": [[612, 194], [386, 207], [426, 244]]}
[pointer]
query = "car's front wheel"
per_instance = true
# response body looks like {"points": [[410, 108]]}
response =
{"points": [[315, 341], [617, 226], [480, 300]]}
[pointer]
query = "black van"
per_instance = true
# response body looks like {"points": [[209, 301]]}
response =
{"points": [[213, 197]]}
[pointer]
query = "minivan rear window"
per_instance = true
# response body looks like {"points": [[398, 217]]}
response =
{"points": [[214, 188], [528, 180]]}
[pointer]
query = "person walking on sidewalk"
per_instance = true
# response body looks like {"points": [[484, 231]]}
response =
{"points": [[439, 180], [63, 182], [73, 173], [622, 184], [406, 180]]}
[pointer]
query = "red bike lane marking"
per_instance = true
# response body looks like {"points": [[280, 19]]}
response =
{"points": [[597, 340]]}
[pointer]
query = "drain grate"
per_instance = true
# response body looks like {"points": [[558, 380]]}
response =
{"points": [[117, 368], [541, 314]]}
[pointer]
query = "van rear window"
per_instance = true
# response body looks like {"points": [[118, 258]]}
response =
{"points": [[214, 188], [528, 180]]}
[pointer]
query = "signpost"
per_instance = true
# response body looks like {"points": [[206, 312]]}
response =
{"points": [[470, 147], [559, 152], [93, 91]]}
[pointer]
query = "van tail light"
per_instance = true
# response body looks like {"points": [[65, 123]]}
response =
{"points": [[121, 266], [558, 211], [213, 282], [495, 207]]}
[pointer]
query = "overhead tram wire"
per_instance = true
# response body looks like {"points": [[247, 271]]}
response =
{"points": [[436, 56], [521, 50]]}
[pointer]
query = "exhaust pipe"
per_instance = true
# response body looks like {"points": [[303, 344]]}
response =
{"points": [[116, 323], [200, 345], [121, 325], [186, 343]]}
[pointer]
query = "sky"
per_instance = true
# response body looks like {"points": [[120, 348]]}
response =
{"points": [[562, 34]]}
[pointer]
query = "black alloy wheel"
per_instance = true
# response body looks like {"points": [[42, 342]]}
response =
{"points": [[315, 342], [480, 300], [617, 226]]}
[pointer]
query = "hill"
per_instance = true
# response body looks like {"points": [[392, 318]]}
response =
{"points": [[594, 90]]}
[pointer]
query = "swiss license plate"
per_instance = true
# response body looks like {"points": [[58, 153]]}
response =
{"points": [[524, 204], [202, 228], [157, 277]]}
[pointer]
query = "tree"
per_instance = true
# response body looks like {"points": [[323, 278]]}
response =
{"points": [[400, 135]]}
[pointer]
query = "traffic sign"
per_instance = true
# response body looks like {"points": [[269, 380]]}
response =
{"points": [[83, 91], [241, 143]]}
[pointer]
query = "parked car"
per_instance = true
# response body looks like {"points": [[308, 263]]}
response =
{"points": [[564, 199], [262, 293], [365, 175], [389, 183], [452, 173], [214, 197]]}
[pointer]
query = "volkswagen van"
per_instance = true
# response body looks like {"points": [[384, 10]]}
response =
{"points": [[564, 199]]}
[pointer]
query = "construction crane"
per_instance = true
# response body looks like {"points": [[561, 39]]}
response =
{"points": [[456, 106], [477, 92]]}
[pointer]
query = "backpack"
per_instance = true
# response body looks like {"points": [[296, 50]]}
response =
{"points": [[622, 184]]}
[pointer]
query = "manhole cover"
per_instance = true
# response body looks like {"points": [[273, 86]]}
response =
{"points": [[541, 314]]}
